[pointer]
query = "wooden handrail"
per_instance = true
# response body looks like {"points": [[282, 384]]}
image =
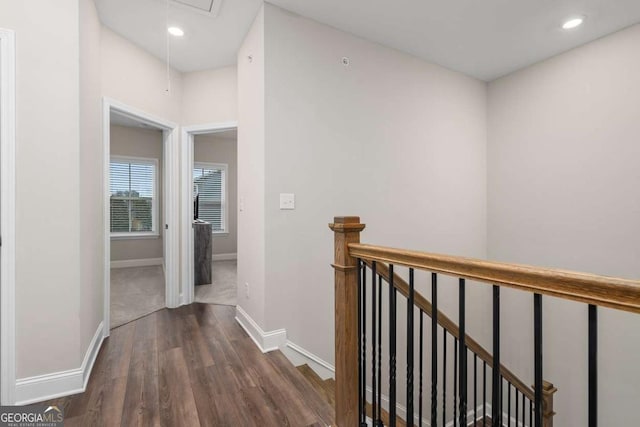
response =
{"points": [[423, 304], [620, 294], [615, 293]]}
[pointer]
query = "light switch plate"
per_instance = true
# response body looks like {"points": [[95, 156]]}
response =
{"points": [[287, 201]]}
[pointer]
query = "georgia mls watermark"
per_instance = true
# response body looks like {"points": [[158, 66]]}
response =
{"points": [[31, 416]]}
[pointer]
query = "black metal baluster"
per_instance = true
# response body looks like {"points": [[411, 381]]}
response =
{"points": [[420, 369], [593, 366], [378, 416], [410, 338], [495, 372], [517, 393], [509, 406], [434, 349], [530, 414], [455, 382], [361, 416], [537, 320], [501, 401], [374, 336], [475, 388], [484, 392], [444, 377], [364, 344], [463, 353], [524, 410], [392, 350]]}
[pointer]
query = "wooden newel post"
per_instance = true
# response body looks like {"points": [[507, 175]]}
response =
{"points": [[548, 390], [346, 230]]}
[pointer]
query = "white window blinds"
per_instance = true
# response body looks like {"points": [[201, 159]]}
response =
{"points": [[209, 182], [133, 195]]}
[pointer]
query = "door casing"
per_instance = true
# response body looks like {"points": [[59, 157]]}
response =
{"points": [[171, 200]]}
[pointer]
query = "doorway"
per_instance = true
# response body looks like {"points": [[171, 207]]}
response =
{"points": [[140, 233], [7, 217], [209, 165]]}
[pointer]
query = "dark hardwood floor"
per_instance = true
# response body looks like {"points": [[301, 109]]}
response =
{"points": [[193, 366]]}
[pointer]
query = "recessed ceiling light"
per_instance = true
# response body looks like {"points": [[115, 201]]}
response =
{"points": [[573, 23], [175, 31]]}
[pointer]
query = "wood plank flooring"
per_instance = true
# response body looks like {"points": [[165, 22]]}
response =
{"points": [[193, 366]]}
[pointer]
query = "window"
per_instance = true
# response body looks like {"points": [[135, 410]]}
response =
{"points": [[133, 196], [210, 184]]}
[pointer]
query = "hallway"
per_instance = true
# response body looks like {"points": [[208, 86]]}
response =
{"points": [[192, 366]]}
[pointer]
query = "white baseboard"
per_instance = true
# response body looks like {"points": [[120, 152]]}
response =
{"points": [[505, 417], [266, 341], [401, 412], [470, 419], [299, 356], [224, 257], [137, 263], [274, 340], [50, 386]]}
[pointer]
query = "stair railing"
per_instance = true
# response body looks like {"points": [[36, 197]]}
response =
{"points": [[357, 398]]}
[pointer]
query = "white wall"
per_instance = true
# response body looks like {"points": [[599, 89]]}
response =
{"points": [[393, 139], [210, 96], [135, 77], [251, 172], [65, 62], [47, 184], [146, 143], [210, 148], [563, 182], [91, 199]]}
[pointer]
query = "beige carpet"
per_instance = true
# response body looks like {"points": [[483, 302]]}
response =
{"points": [[224, 289], [135, 292], [139, 291]]}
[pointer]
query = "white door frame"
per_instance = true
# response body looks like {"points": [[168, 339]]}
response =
{"points": [[7, 217], [170, 201], [188, 133]]}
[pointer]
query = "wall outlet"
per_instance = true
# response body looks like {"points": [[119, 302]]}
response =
{"points": [[246, 289]]}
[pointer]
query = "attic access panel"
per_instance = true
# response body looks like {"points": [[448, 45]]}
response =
{"points": [[206, 7]]}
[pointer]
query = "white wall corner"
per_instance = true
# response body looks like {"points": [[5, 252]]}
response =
{"points": [[146, 262], [266, 341], [50, 386], [299, 356]]}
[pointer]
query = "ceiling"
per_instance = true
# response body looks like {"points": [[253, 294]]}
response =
{"points": [[485, 39], [210, 41]]}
